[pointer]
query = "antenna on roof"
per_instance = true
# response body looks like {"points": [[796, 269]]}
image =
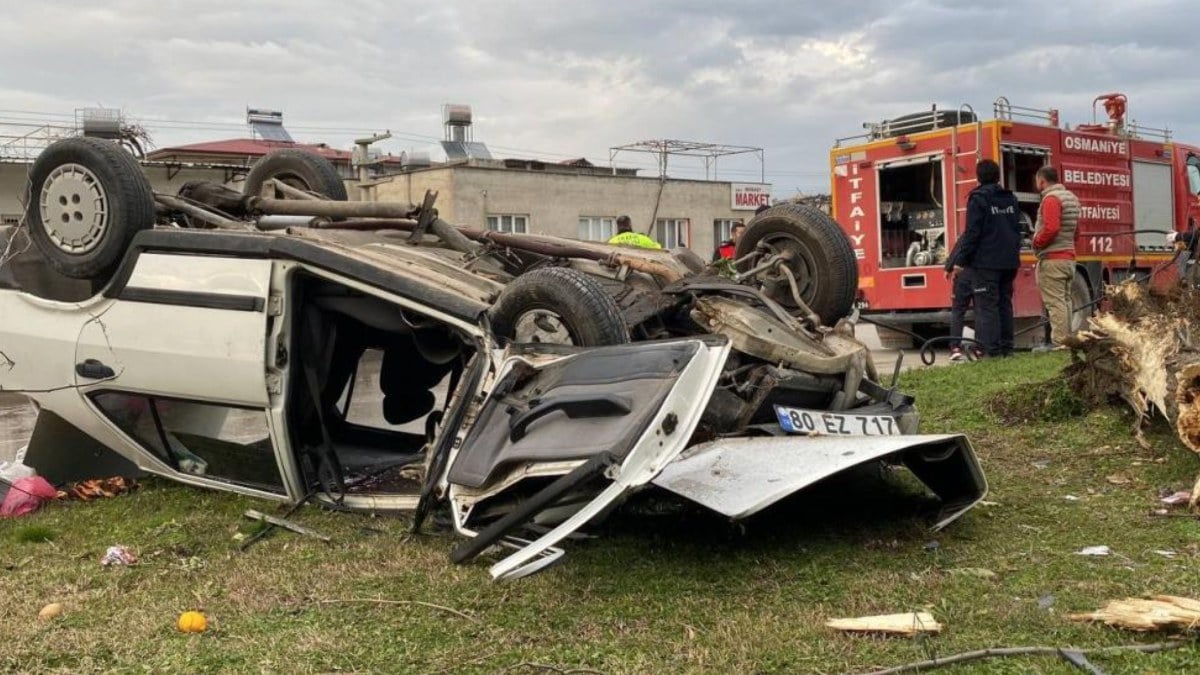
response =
{"points": [[267, 125]]}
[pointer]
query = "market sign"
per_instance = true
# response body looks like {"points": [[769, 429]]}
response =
{"points": [[749, 196]]}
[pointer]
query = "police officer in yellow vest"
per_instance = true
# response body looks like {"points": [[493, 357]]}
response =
{"points": [[625, 236]]}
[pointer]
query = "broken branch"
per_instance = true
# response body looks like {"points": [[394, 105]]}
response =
{"points": [[1023, 651], [374, 601], [548, 667]]}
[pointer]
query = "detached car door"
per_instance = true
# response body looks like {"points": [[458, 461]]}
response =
{"points": [[600, 421], [176, 362]]}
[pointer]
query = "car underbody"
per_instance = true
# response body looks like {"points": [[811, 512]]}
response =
{"points": [[369, 356]]}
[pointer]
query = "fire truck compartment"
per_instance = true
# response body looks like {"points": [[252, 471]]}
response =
{"points": [[912, 221]]}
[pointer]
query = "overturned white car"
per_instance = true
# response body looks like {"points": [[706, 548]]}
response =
{"points": [[287, 344]]}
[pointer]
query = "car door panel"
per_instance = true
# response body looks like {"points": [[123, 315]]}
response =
{"points": [[669, 384], [186, 326], [177, 363]]}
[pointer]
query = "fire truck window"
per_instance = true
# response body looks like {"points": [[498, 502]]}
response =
{"points": [[912, 226], [1020, 170], [1193, 178]]}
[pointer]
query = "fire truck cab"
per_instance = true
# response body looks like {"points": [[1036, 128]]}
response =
{"points": [[900, 193]]}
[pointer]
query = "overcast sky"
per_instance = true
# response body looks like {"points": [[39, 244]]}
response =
{"points": [[558, 79]]}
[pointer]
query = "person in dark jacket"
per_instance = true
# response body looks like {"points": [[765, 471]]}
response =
{"points": [[991, 248], [962, 291]]}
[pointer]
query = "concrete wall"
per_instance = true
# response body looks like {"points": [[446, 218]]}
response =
{"points": [[554, 202], [14, 179]]}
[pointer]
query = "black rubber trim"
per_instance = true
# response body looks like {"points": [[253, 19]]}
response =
{"points": [[526, 510], [160, 296], [314, 253]]}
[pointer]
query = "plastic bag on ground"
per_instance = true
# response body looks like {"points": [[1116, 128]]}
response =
{"points": [[26, 495]]}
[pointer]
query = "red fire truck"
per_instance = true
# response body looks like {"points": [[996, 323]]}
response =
{"points": [[900, 193]]}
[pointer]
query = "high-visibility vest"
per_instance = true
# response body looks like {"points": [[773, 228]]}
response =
{"points": [[634, 239]]}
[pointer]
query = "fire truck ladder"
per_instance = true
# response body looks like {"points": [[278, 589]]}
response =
{"points": [[978, 154]]}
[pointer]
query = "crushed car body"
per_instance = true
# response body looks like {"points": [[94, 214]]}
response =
{"points": [[283, 344]]}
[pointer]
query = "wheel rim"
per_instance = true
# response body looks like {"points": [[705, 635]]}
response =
{"points": [[542, 326], [802, 265], [74, 208]]}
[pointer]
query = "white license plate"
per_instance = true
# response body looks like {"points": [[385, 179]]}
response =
{"points": [[821, 423]]}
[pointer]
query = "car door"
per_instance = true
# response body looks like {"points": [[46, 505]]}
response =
{"points": [[615, 414], [176, 361]]}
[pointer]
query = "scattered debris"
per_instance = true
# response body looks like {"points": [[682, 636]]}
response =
{"points": [[26, 495], [1157, 613], [996, 652], [118, 556], [1095, 551], [1041, 464], [1119, 479], [51, 611], [932, 545], [1071, 498], [1046, 601], [909, 623], [99, 488], [287, 525], [192, 622], [978, 572], [1166, 553], [1177, 498]]}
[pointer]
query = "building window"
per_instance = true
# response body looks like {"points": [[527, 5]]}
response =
{"points": [[673, 232], [206, 440], [597, 228], [508, 223], [10, 219], [723, 229]]}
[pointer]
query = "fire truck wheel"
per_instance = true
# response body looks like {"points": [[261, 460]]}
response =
{"points": [[1081, 295], [822, 262], [298, 168], [87, 199]]}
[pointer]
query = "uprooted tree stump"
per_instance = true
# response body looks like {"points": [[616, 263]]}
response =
{"points": [[1145, 351]]}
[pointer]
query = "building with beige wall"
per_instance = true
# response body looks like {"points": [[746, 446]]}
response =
{"points": [[164, 177], [577, 201]]}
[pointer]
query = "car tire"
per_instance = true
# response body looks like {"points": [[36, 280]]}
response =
{"points": [[300, 169], [87, 199], [558, 305], [823, 262]]}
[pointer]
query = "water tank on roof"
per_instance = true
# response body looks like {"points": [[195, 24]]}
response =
{"points": [[456, 114], [415, 160], [100, 122]]}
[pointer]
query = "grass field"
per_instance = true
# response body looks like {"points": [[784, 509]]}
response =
{"points": [[654, 594]]}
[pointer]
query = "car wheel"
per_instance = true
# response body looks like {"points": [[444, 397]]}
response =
{"points": [[87, 199], [558, 305], [298, 168], [822, 262]]}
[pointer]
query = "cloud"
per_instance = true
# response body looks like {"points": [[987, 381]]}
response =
{"points": [[573, 78]]}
